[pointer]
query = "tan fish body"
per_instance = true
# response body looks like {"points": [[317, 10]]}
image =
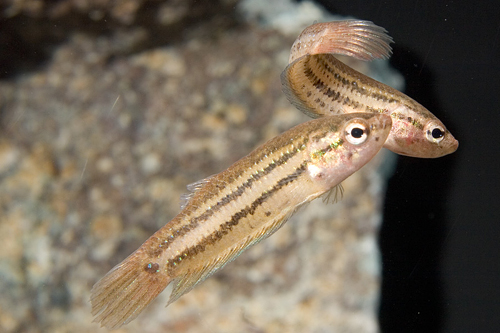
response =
{"points": [[237, 208], [319, 85]]}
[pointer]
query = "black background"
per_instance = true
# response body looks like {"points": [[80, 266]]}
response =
{"points": [[440, 237]]}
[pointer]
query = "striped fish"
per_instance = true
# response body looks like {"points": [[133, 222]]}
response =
{"points": [[232, 210], [319, 85]]}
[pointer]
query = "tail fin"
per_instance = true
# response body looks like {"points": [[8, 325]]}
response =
{"points": [[122, 294], [362, 40]]}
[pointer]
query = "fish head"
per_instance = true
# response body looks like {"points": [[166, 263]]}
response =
{"points": [[345, 143], [418, 133]]}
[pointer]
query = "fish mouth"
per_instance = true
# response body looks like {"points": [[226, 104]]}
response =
{"points": [[452, 144], [450, 148]]}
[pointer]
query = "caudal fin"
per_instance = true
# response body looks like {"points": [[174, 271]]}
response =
{"points": [[123, 293], [362, 40]]}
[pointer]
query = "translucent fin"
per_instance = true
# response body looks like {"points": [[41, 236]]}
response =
{"points": [[122, 294], [188, 281], [362, 40], [192, 189], [337, 192]]}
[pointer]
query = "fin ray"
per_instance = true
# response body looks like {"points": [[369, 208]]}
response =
{"points": [[192, 189], [328, 195], [125, 291], [362, 40]]}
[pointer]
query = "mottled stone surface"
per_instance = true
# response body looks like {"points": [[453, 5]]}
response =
{"points": [[96, 148], [123, 11]]}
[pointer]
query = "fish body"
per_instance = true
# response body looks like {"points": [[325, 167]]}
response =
{"points": [[237, 208], [320, 85]]}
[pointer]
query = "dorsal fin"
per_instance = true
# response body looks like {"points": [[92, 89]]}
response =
{"points": [[192, 189]]}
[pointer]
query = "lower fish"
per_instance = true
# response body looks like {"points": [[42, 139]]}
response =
{"points": [[232, 210], [320, 85]]}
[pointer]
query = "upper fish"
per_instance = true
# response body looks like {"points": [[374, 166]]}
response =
{"points": [[232, 210], [320, 85]]}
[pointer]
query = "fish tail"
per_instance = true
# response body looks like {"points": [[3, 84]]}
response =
{"points": [[362, 40], [122, 294]]}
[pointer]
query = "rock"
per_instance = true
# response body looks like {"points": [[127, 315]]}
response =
{"points": [[97, 146]]}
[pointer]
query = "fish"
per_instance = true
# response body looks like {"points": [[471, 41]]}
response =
{"points": [[237, 208], [319, 85]]}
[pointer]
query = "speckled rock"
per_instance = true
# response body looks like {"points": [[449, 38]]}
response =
{"points": [[96, 148]]}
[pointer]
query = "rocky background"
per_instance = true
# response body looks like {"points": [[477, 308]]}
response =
{"points": [[108, 109]]}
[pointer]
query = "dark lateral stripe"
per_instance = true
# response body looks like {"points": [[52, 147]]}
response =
{"points": [[225, 228], [193, 223], [333, 95], [331, 64], [328, 149]]}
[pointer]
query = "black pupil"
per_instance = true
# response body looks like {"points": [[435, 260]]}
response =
{"points": [[358, 132], [437, 133]]}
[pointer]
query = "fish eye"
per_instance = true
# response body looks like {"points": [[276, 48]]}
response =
{"points": [[435, 133], [356, 132]]}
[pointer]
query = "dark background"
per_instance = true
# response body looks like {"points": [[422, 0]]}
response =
{"points": [[440, 237]]}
